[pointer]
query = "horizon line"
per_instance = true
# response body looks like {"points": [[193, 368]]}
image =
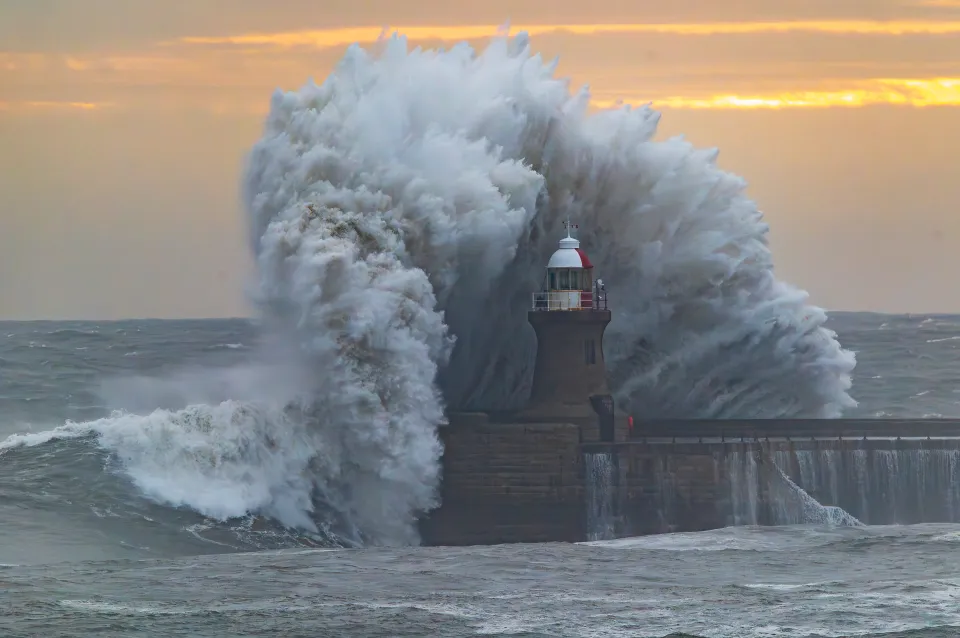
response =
{"points": [[255, 318]]}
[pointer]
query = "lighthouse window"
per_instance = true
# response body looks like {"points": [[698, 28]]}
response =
{"points": [[553, 281], [564, 279], [590, 351]]}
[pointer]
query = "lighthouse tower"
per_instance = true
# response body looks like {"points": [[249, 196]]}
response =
{"points": [[569, 316]]}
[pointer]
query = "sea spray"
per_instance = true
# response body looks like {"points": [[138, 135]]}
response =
{"points": [[400, 214], [474, 160]]}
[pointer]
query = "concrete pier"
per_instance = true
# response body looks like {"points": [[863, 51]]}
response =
{"points": [[525, 482]]}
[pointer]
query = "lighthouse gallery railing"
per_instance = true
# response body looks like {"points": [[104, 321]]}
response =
{"points": [[569, 300]]}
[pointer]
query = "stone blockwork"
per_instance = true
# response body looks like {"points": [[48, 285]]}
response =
{"points": [[671, 489], [659, 488], [508, 483], [569, 366]]}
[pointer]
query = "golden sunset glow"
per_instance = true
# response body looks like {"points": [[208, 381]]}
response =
{"points": [[126, 126], [253, 64], [324, 38], [903, 92], [236, 73], [52, 104], [896, 92]]}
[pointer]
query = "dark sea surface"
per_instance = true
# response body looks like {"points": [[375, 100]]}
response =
{"points": [[100, 533]]}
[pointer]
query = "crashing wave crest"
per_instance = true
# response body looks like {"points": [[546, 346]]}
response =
{"points": [[412, 200], [402, 212]]}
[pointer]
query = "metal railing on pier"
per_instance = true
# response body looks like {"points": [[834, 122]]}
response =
{"points": [[793, 429]]}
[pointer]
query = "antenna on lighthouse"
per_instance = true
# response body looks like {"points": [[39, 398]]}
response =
{"points": [[569, 227]]}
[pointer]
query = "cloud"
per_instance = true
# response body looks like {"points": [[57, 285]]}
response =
{"points": [[128, 63], [55, 105], [840, 93], [15, 62], [909, 92], [326, 38], [802, 69]]}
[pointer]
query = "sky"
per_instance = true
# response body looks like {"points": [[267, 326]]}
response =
{"points": [[124, 125]]}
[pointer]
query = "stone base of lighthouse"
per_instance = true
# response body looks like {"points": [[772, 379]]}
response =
{"points": [[523, 476], [569, 368]]}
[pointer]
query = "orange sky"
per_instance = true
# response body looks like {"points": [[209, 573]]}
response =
{"points": [[123, 126]]}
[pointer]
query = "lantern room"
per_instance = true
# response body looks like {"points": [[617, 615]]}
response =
{"points": [[568, 283]]}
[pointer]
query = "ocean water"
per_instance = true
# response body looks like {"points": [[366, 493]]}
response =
{"points": [[217, 478], [111, 525]]}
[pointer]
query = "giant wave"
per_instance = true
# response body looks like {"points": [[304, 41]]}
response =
{"points": [[400, 214]]}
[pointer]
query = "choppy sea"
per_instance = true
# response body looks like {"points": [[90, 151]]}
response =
{"points": [[88, 549]]}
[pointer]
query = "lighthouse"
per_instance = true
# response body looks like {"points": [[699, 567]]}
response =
{"points": [[569, 315]]}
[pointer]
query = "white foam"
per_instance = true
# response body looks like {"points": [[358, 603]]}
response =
{"points": [[712, 541], [780, 586], [167, 609], [31, 439], [949, 537]]}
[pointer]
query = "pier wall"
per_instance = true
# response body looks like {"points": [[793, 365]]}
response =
{"points": [[692, 486], [508, 483], [525, 482]]}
